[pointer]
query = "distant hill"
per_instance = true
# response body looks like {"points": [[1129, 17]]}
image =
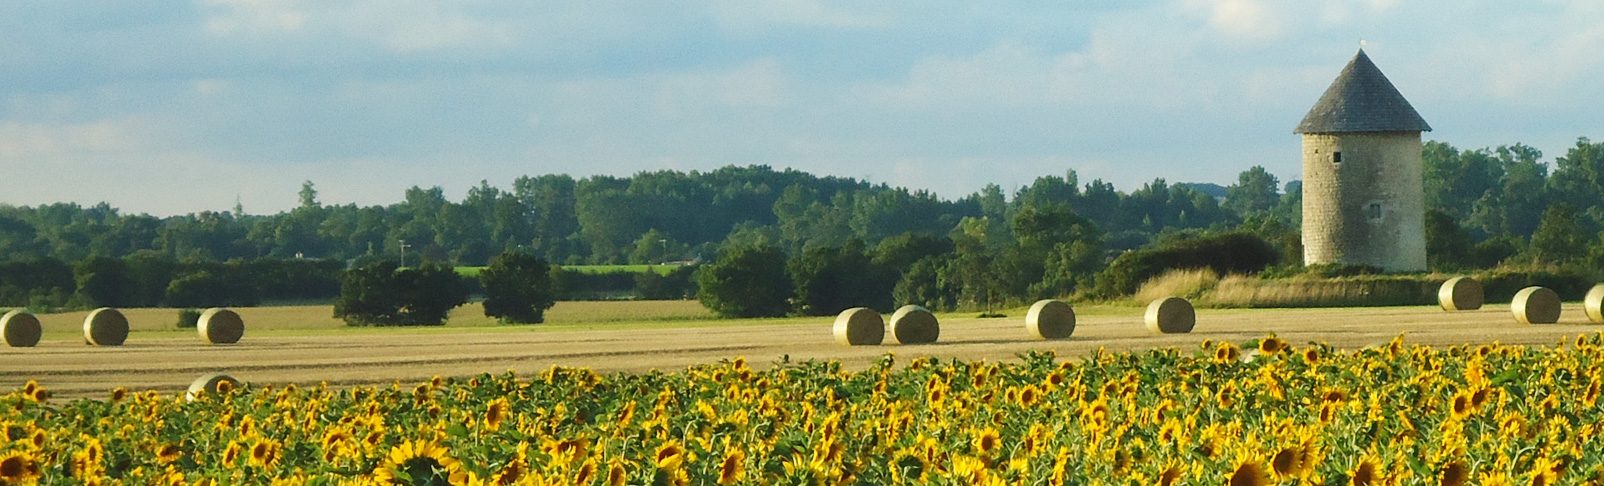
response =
{"points": [[1213, 190]]}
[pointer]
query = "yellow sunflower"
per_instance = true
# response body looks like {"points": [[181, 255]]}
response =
{"points": [[420, 462], [987, 442], [1366, 473], [1249, 472], [1288, 462], [669, 456], [1455, 473], [166, 453], [264, 453], [18, 468], [732, 469], [496, 412]]}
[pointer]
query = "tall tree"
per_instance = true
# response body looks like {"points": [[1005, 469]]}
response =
{"points": [[748, 281], [518, 288], [1254, 192]]}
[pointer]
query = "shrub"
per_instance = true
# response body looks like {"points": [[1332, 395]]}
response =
{"points": [[188, 318], [1225, 254], [378, 293], [830, 280], [518, 288], [746, 281]]}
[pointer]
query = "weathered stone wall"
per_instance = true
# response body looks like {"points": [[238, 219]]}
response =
{"points": [[1368, 209]]}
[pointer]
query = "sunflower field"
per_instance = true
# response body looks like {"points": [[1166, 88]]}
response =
{"points": [[1267, 412]]}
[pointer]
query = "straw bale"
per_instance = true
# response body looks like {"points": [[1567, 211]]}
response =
{"points": [[21, 329], [105, 327], [1535, 305], [1050, 319], [1170, 315], [859, 326], [1594, 302], [220, 326], [1460, 294], [208, 385], [914, 325]]}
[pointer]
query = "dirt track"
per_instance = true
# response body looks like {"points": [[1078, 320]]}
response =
{"points": [[169, 361]]}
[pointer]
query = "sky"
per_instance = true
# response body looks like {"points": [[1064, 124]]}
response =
{"points": [[172, 107]]}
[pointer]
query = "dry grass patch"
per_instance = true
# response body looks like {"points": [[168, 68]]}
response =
{"points": [[1184, 283]]}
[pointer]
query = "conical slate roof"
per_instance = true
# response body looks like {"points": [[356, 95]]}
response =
{"points": [[1361, 99]]}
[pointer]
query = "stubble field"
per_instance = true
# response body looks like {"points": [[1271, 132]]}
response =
{"points": [[305, 345]]}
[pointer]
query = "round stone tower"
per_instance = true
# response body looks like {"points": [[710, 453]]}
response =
{"points": [[1364, 201]]}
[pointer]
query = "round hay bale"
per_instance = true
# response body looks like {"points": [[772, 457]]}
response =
{"points": [[1170, 315], [1535, 305], [21, 329], [210, 385], [914, 325], [220, 326], [1050, 319], [1460, 294], [1594, 302], [105, 327], [859, 326]]}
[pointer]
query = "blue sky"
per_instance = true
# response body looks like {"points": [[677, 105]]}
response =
{"points": [[171, 107]]}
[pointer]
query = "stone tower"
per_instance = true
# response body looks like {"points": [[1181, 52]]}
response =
{"points": [[1364, 201]]}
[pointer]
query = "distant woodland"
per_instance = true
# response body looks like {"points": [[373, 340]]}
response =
{"points": [[1486, 207]]}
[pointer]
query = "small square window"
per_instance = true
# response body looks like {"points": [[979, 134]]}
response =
{"points": [[1336, 157], [1374, 211]]}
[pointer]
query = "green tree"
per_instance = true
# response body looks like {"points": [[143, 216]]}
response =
{"points": [[104, 281], [655, 247], [1253, 193], [518, 288], [1557, 239], [1447, 246], [1579, 181], [926, 283], [830, 280], [747, 281], [379, 293]]}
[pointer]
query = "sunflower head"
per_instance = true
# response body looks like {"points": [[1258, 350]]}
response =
{"points": [[18, 468], [425, 462], [670, 455], [1249, 472], [1455, 473], [731, 470], [1366, 473]]}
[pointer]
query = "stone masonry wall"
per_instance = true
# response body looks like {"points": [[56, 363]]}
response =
{"points": [[1368, 209]]}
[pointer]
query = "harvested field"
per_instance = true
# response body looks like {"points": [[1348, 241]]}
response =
{"points": [[295, 345]]}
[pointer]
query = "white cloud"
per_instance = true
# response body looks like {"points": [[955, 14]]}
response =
{"points": [[255, 16], [756, 17], [1253, 20]]}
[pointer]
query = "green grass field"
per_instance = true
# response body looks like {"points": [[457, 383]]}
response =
{"points": [[473, 272]]}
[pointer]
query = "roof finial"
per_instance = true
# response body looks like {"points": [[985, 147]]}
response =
{"points": [[1362, 44]]}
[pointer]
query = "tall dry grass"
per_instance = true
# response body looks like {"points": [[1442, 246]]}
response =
{"points": [[1378, 290], [1189, 284]]}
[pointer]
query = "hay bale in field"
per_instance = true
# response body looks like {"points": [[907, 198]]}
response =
{"points": [[1535, 305], [1170, 315], [210, 385], [859, 326], [1594, 302], [220, 326], [1050, 319], [914, 325], [1460, 294], [21, 329], [105, 327]]}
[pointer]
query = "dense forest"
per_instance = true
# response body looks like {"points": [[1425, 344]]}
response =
{"points": [[1486, 207]]}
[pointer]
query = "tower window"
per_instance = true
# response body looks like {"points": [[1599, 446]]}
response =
{"points": [[1336, 157], [1373, 211]]}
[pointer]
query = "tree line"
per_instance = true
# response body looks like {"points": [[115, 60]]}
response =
{"points": [[1487, 207]]}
